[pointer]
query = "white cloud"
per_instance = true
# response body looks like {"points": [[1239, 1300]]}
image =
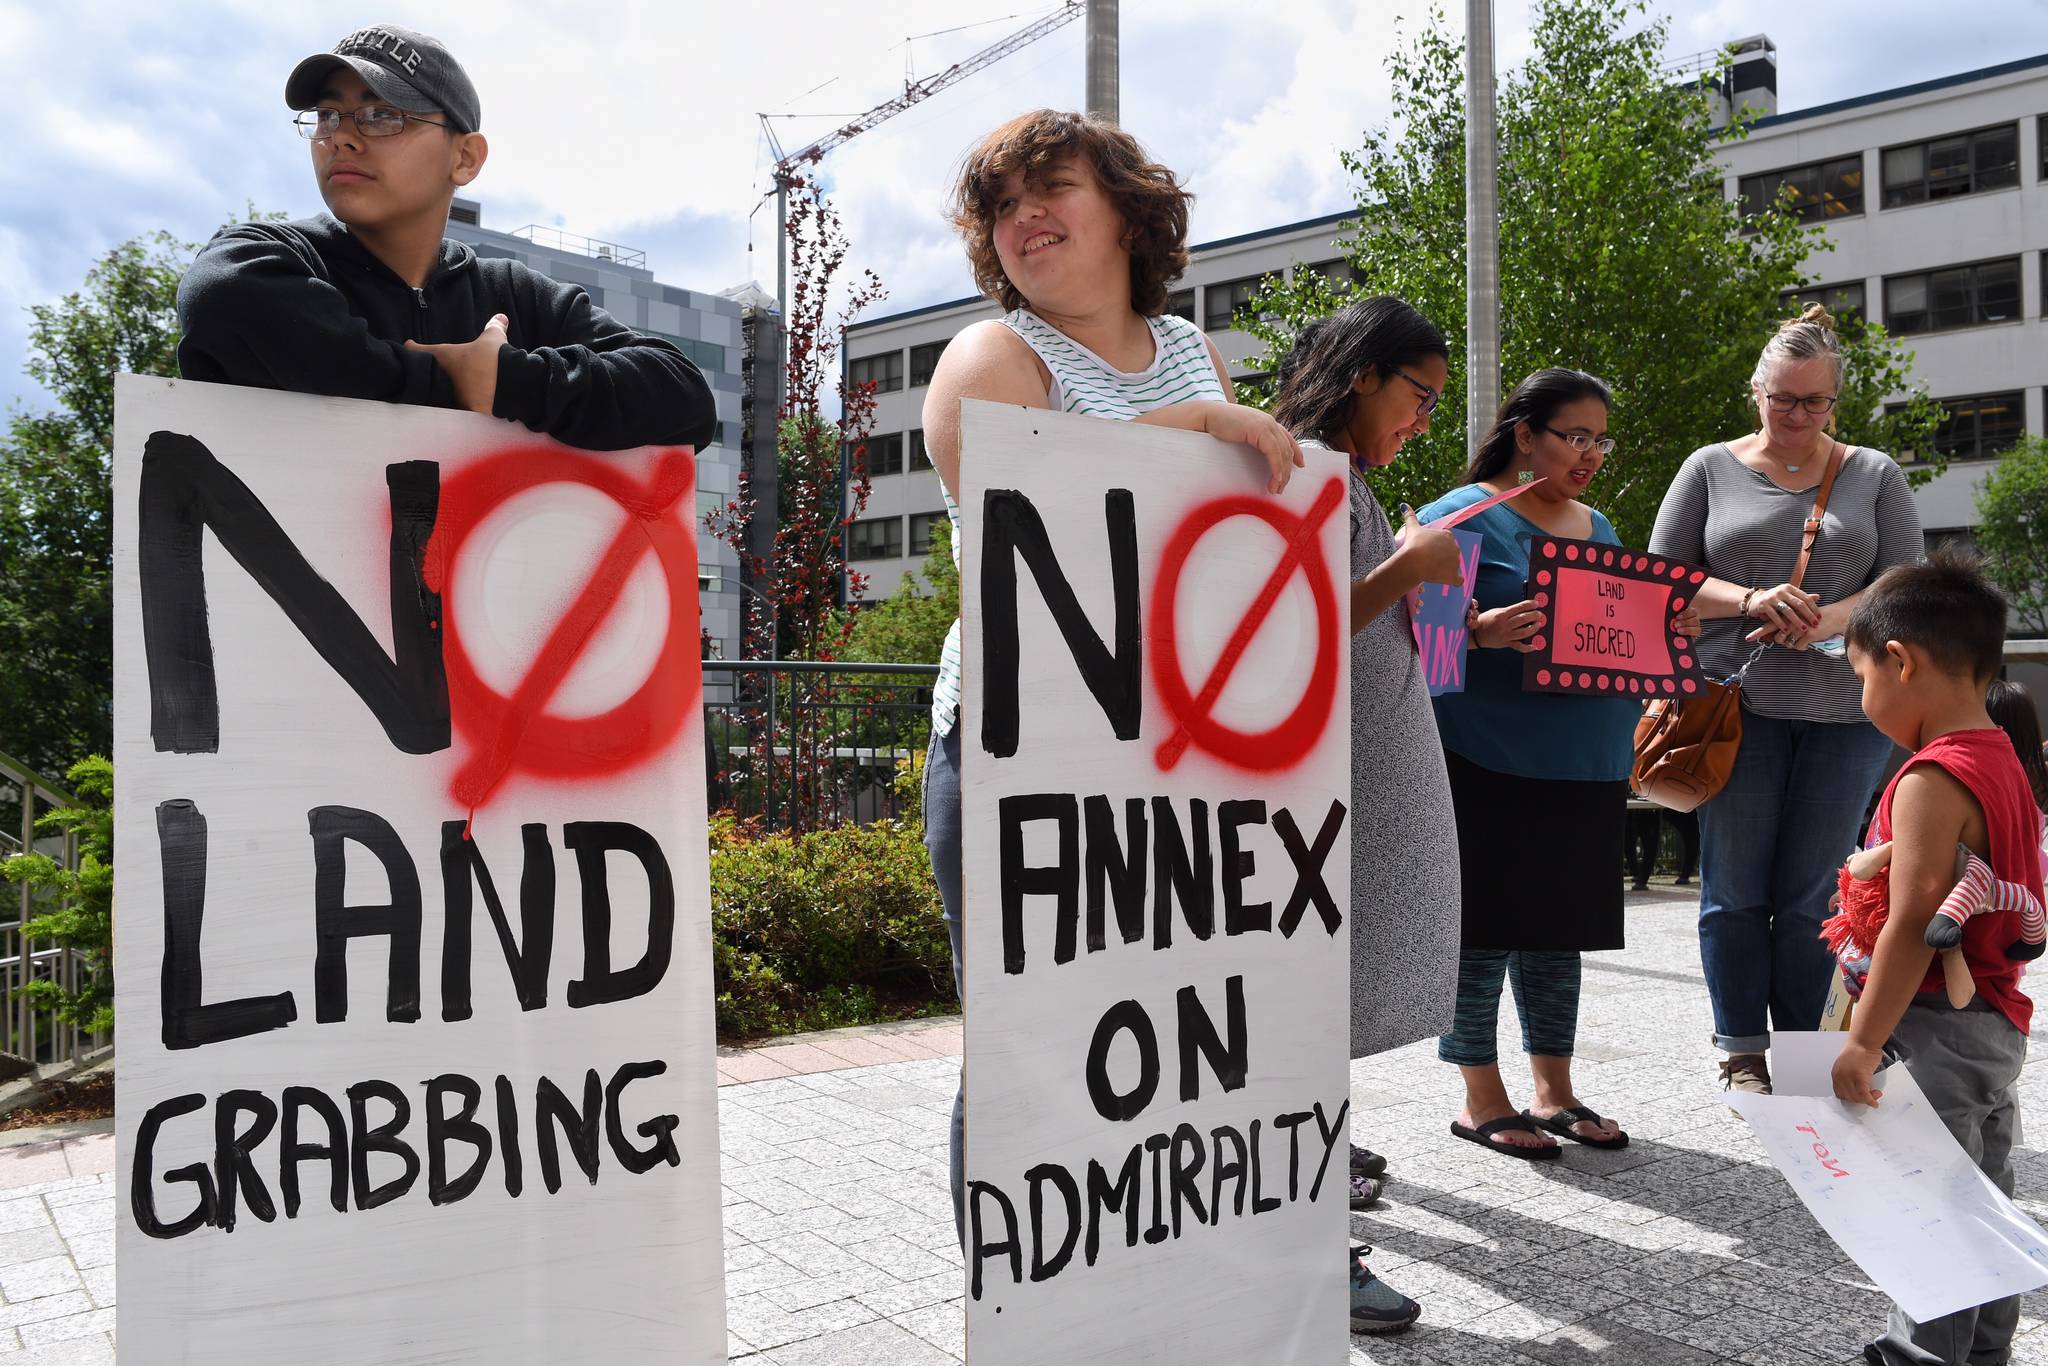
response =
{"points": [[635, 121]]}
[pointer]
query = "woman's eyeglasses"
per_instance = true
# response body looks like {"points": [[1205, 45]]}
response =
{"points": [[1430, 397], [1813, 403], [1581, 442]]}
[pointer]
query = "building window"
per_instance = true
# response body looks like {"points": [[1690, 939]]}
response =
{"points": [[924, 360], [1960, 296], [1964, 163], [884, 454], [1340, 273], [1820, 191], [921, 531], [885, 371], [1980, 427], [2041, 144], [1181, 304], [920, 459], [879, 538], [710, 578], [1229, 304], [703, 354], [1844, 302]]}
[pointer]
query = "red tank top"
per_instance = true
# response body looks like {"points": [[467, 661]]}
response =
{"points": [[1983, 761]]}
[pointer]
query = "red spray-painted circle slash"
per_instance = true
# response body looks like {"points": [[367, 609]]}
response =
{"points": [[1289, 742], [516, 732]]}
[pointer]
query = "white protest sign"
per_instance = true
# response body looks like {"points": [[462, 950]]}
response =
{"points": [[1892, 1186], [413, 944], [1155, 759]]}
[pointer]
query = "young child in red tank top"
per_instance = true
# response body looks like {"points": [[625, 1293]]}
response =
{"points": [[1925, 640]]}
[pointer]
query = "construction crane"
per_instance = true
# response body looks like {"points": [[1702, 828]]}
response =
{"points": [[785, 172]]}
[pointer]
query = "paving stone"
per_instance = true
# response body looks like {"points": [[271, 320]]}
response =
{"points": [[1683, 1248], [871, 1344], [33, 1280]]}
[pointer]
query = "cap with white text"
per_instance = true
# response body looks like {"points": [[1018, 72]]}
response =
{"points": [[409, 70]]}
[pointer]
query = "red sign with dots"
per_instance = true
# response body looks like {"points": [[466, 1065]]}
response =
{"points": [[1610, 621]]}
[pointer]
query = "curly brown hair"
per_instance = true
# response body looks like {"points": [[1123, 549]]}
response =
{"points": [[1146, 194]]}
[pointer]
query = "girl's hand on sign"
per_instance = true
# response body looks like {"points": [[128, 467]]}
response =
{"points": [[1427, 554], [1687, 623], [1235, 422], [1508, 627]]}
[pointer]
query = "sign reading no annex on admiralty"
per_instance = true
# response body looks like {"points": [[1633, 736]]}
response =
{"points": [[1156, 769]]}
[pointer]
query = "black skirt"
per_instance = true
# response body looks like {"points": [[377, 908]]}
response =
{"points": [[1540, 859]]}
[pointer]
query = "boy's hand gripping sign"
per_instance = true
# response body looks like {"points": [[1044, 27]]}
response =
{"points": [[1611, 621]]}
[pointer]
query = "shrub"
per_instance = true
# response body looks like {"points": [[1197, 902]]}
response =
{"points": [[828, 928]]}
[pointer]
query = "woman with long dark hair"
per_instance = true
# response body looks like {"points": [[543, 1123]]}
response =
{"points": [[1539, 781], [1363, 381]]}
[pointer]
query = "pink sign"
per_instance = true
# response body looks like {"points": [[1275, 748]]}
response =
{"points": [[1436, 614], [1611, 621]]}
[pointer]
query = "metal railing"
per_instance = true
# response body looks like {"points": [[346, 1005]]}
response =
{"points": [[24, 1033], [541, 235], [804, 746]]}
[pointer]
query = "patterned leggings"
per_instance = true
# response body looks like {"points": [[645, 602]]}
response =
{"points": [[1546, 987]]}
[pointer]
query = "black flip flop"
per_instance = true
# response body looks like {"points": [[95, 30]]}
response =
{"points": [[1483, 1136], [1561, 1125]]}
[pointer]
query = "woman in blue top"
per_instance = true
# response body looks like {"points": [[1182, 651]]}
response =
{"points": [[1538, 781]]}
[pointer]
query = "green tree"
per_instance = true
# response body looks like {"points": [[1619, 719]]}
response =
{"points": [[56, 602], [78, 906], [2014, 533], [1621, 253], [910, 626]]}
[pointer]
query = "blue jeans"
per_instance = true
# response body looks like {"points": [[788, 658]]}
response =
{"points": [[1770, 844], [942, 842], [1546, 987]]}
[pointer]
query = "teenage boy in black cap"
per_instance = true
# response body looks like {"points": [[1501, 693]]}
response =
{"points": [[380, 305]]}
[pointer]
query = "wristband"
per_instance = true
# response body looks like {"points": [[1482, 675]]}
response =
{"points": [[1743, 611]]}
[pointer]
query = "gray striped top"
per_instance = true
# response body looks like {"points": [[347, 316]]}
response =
{"points": [[1745, 529], [1085, 383]]}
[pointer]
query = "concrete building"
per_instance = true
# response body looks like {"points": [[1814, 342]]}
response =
{"points": [[898, 353], [1935, 198], [708, 329]]}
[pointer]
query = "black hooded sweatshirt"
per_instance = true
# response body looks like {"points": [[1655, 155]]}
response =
{"points": [[304, 306]]}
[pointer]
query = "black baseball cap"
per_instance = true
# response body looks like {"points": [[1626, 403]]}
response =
{"points": [[414, 72]]}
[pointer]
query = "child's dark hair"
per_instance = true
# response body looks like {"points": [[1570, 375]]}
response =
{"points": [[1535, 401], [1381, 334], [1944, 605], [2012, 707]]}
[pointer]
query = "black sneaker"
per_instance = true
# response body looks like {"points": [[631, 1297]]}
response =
{"points": [[1366, 1191], [1377, 1307], [1367, 1163]]}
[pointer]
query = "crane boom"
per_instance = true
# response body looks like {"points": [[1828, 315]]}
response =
{"points": [[786, 167]]}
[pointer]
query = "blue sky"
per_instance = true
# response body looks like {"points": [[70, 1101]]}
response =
{"points": [[636, 122]]}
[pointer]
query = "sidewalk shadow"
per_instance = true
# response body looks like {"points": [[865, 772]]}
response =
{"points": [[1607, 1299]]}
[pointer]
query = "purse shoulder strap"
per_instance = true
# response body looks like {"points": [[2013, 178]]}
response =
{"points": [[1811, 532]]}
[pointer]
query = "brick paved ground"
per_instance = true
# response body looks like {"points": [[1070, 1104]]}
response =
{"points": [[1682, 1249]]}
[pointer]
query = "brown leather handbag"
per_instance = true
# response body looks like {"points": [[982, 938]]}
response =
{"points": [[1686, 747]]}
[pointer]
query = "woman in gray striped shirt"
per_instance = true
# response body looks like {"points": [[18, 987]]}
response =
{"points": [[1771, 840]]}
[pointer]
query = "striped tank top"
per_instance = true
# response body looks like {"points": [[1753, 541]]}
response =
{"points": [[1085, 383]]}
